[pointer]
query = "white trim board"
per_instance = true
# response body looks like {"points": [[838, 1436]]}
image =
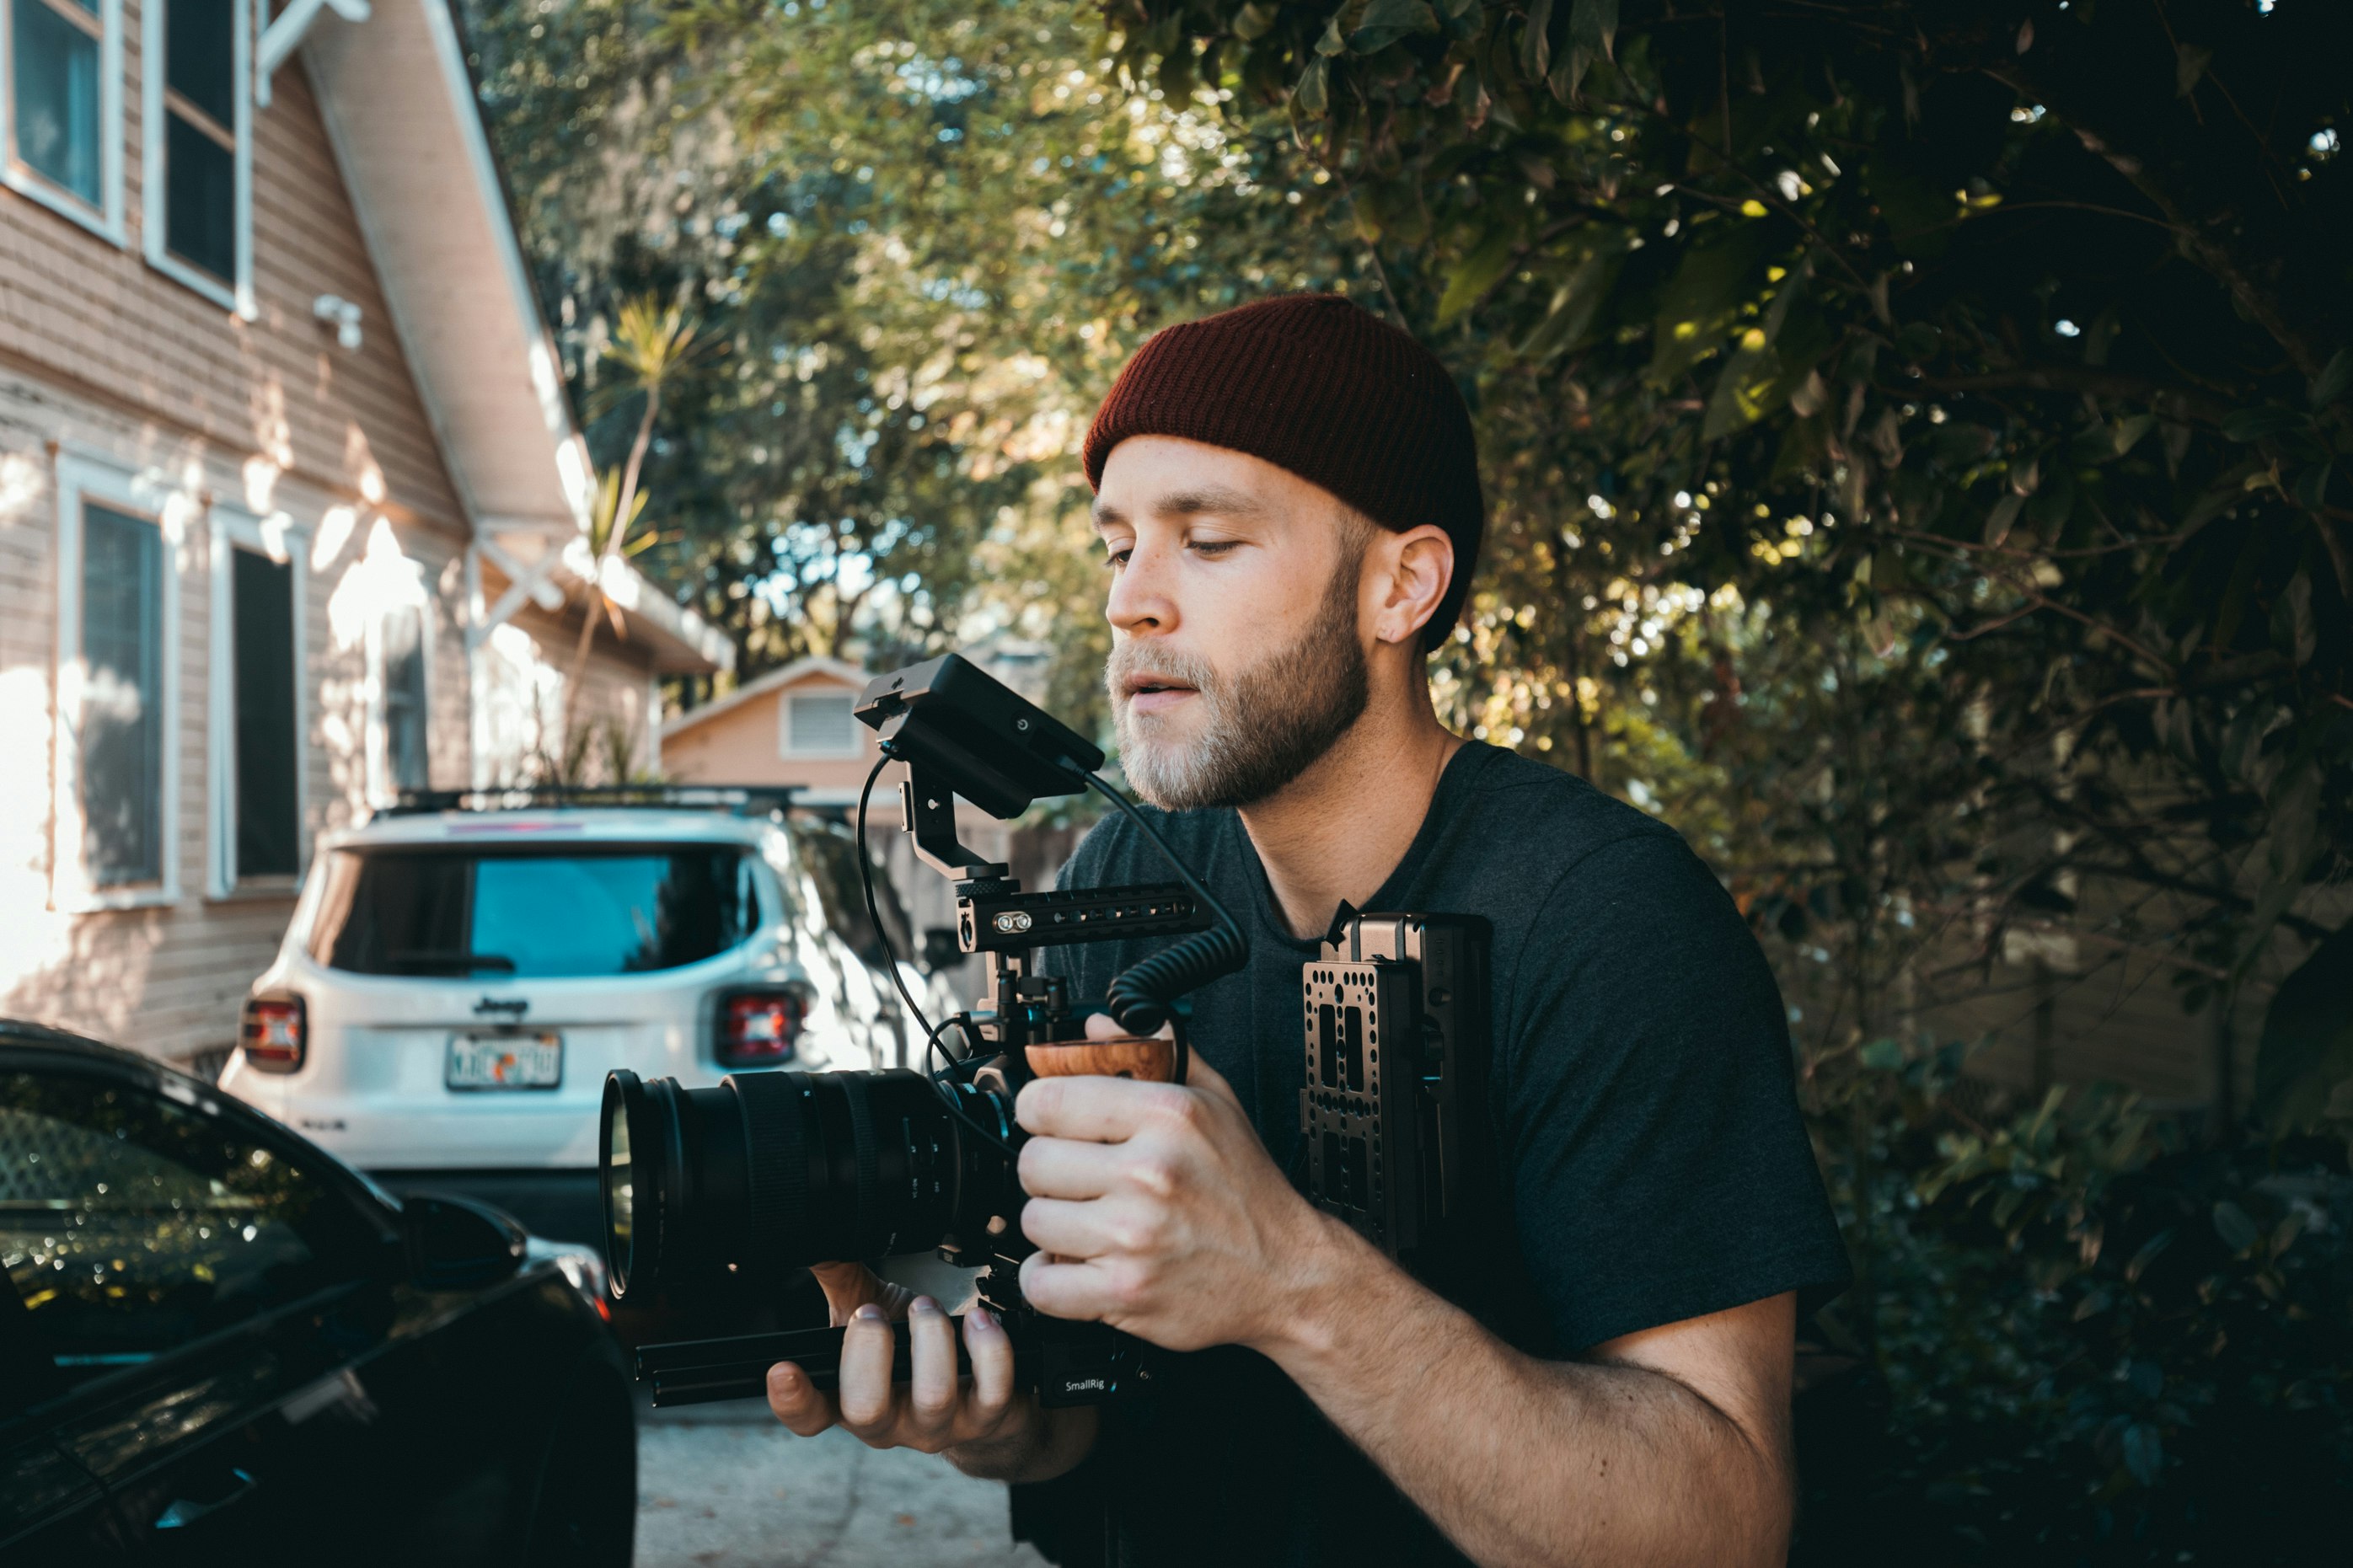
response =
{"points": [[151, 496]]}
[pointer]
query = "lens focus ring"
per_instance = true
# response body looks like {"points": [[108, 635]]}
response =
{"points": [[867, 1155], [776, 1161]]}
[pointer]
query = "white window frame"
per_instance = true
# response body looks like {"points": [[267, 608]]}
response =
{"points": [[148, 495], [784, 747], [239, 295], [233, 529], [383, 790], [105, 220]]}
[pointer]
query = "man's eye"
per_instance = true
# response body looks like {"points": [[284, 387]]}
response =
{"points": [[1214, 546], [1115, 560]]}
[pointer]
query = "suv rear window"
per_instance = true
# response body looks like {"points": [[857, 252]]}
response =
{"points": [[534, 913]]}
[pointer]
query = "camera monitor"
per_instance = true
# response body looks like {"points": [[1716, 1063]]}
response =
{"points": [[991, 746]]}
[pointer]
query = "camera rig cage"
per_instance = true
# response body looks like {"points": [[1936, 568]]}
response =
{"points": [[1395, 1016], [958, 732]]}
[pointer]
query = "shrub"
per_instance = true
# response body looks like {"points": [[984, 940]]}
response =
{"points": [[2078, 1336]]}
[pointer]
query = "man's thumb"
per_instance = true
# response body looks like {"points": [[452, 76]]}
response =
{"points": [[848, 1287]]}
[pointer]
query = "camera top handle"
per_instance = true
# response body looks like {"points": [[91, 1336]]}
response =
{"points": [[960, 731]]}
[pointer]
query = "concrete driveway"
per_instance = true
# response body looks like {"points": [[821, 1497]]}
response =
{"points": [[723, 1486]]}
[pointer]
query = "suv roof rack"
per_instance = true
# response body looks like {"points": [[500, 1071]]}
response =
{"points": [[744, 800]]}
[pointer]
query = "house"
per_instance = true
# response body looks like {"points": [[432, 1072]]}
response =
{"points": [[794, 726], [292, 508]]}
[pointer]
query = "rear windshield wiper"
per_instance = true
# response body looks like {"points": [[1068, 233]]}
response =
{"points": [[445, 960]]}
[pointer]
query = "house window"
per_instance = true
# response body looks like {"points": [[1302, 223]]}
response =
{"points": [[122, 760], [64, 106], [254, 693], [268, 815], [820, 726], [115, 769], [408, 761], [199, 146]]}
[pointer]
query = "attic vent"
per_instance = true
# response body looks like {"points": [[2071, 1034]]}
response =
{"points": [[820, 726]]}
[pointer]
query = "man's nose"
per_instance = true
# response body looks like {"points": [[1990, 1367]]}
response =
{"points": [[1140, 594]]}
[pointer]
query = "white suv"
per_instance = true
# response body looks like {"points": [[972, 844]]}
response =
{"points": [[457, 982]]}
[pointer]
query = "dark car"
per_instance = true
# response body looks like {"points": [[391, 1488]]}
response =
{"points": [[218, 1345]]}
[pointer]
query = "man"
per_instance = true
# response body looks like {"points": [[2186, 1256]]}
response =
{"points": [[1289, 504]]}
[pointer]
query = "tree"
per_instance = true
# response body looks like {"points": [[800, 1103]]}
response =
{"points": [[2003, 349], [926, 235]]}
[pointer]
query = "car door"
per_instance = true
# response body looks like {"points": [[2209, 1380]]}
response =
{"points": [[52, 1512], [198, 1294]]}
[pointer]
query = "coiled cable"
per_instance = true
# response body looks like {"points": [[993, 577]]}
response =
{"points": [[1140, 994]]}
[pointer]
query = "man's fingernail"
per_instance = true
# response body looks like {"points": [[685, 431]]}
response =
{"points": [[982, 1317], [870, 1313], [777, 1377], [923, 1304]]}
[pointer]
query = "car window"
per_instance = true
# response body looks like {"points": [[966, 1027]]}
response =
{"points": [[829, 854], [532, 913], [131, 1225]]}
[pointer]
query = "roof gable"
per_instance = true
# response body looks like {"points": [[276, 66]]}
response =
{"points": [[831, 671], [408, 135]]}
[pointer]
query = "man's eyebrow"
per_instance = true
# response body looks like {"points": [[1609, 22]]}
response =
{"points": [[1208, 498], [1106, 515]]}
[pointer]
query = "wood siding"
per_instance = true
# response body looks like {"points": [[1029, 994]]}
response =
{"points": [[104, 359], [96, 322]]}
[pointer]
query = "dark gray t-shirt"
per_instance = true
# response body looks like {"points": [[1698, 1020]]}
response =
{"points": [[1650, 1156]]}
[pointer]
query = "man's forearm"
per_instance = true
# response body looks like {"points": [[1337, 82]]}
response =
{"points": [[1520, 1460]]}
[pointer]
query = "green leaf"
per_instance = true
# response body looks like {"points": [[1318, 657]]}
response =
{"points": [[1254, 21], [2189, 65], [2002, 518], [2144, 1453], [1535, 43], [1568, 71], [2231, 1224], [1386, 21], [1571, 313], [1701, 300], [2334, 378], [1593, 26], [1883, 1056], [2311, 485], [1311, 96], [2291, 619], [1334, 41], [2149, 1254], [2306, 1050], [2254, 424], [1488, 261]]}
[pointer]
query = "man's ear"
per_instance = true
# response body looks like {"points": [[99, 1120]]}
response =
{"points": [[1413, 570]]}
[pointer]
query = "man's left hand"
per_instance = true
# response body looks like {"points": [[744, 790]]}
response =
{"points": [[1159, 1212]]}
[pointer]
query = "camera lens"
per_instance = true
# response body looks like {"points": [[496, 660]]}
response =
{"points": [[772, 1171]]}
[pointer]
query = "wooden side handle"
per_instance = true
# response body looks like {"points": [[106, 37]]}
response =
{"points": [[1122, 1056]]}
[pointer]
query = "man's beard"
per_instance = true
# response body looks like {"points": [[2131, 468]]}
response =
{"points": [[1256, 730]]}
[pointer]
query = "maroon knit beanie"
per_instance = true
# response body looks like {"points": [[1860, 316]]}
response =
{"points": [[1317, 386]]}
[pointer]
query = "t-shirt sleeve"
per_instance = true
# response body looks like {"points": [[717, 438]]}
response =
{"points": [[1658, 1166]]}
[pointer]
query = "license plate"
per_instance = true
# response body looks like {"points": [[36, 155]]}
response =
{"points": [[506, 1061]]}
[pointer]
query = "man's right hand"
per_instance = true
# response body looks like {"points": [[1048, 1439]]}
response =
{"points": [[982, 1424]]}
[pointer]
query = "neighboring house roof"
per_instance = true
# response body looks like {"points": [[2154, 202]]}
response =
{"points": [[407, 134], [846, 674]]}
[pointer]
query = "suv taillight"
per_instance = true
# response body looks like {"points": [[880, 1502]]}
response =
{"points": [[760, 1029], [273, 1033]]}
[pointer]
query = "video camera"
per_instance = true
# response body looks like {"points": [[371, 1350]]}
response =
{"points": [[770, 1172]]}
